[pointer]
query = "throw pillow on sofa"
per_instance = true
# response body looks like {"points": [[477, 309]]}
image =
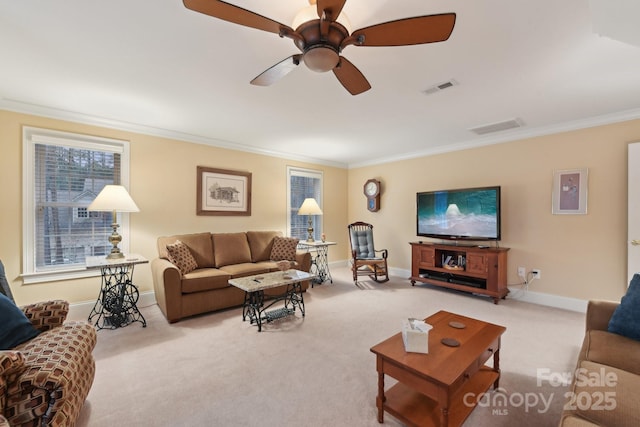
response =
{"points": [[15, 327], [626, 319], [180, 255], [284, 249]]}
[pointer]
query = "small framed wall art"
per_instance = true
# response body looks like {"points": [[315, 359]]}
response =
{"points": [[223, 192], [570, 191]]}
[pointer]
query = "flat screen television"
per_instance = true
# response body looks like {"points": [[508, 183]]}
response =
{"points": [[461, 214]]}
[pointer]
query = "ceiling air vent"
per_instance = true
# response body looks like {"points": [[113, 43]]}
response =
{"points": [[498, 127], [440, 86]]}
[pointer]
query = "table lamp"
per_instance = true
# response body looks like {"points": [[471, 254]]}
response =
{"points": [[310, 207], [114, 198]]}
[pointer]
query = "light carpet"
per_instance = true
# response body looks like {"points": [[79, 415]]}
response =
{"points": [[215, 370]]}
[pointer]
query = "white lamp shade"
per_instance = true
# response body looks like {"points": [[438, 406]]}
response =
{"points": [[113, 198], [310, 207]]}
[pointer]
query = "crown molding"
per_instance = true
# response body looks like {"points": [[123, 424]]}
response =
{"points": [[503, 137], [87, 119], [511, 136]]}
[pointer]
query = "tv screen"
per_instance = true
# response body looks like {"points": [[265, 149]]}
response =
{"points": [[462, 214]]}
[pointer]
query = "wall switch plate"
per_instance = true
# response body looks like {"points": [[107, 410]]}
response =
{"points": [[522, 272], [537, 274]]}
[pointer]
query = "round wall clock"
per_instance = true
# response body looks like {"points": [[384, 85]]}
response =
{"points": [[372, 191]]}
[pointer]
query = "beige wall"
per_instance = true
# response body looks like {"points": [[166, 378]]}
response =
{"points": [[581, 256], [163, 185]]}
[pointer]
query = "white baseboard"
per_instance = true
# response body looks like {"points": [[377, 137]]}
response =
{"points": [[557, 301], [549, 300], [81, 310]]}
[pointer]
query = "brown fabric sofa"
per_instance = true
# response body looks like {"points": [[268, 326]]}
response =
{"points": [[45, 381], [219, 257], [606, 385]]}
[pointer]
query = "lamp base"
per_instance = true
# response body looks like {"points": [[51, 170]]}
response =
{"points": [[310, 231], [115, 255], [115, 239]]}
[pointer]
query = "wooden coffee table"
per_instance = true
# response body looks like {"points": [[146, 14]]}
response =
{"points": [[440, 388], [255, 308]]}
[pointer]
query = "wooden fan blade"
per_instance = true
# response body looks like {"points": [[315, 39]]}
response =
{"points": [[278, 71], [350, 77], [237, 15], [332, 7], [408, 31]]}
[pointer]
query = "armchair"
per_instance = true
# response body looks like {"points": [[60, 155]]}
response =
{"points": [[365, 259], [5, 289], [45, 380]]}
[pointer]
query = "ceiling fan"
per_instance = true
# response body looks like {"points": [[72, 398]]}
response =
{"points": [[322, 37]]}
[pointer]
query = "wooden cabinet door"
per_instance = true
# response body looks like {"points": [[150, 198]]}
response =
{"points": [[476, 263], [427, 257], [423, 257]]}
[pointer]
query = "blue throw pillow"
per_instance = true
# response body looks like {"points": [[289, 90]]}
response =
{"points": [[15, 328], [626, 318]]}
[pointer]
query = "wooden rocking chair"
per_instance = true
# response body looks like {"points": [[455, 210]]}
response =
{"points": [[365, 259]]}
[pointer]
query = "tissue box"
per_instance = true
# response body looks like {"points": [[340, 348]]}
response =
{"points": [[415, 335]]}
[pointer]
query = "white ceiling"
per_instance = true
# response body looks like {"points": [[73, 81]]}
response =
{"points": [[156, 67]]}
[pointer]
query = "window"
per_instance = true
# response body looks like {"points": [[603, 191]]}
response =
{"points": [[63, 173], [303, 183]]}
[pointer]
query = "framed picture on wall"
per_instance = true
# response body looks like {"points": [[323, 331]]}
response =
{"points": [[223, 192], [570, 191]]}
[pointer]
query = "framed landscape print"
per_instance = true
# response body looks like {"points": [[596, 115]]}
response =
{"points": [[570, 191], [223, 192]]}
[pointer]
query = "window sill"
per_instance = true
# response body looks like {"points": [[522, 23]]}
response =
{"points": [[52, 276]]}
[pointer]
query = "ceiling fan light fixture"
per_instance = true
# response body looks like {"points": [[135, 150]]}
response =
{"points": [[310, 13], [321, 58], [321, 31]]}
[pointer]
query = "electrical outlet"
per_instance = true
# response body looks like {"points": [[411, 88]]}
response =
{"points": [[537, 273], [522, 272]]}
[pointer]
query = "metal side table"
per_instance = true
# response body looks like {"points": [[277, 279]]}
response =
{"points": [[116, 306], [319, 261]]}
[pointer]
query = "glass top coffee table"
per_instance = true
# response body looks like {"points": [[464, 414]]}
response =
{"points": [[254, 307]]}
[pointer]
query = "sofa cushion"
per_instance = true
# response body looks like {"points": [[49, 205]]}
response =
{"points": [[180, 255], [625, 320], [598, 347], [604, 395], [231, 248], [244, 269], [284, 248], [15, 327], [205, 279], [199, 244], [260, 243], [272, 265]]}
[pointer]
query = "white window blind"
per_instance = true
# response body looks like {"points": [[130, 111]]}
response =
{"points": [[303, 183], [63, 173]]}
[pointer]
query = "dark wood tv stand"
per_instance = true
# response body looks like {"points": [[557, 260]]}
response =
{"points": [[481, 270]]}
